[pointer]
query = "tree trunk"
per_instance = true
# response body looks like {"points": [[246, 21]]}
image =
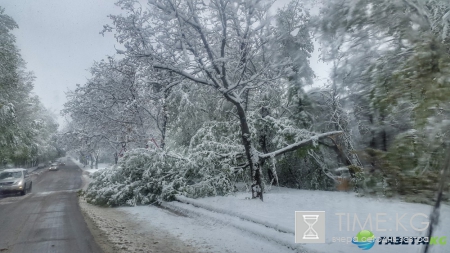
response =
{"points": [[164, 119], [373, 143], [250, 151], [263, 143], [83, 159], [341, 155], [383, 133]]}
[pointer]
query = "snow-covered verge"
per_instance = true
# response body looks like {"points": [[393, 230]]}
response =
{"points": [[206, 233], [116, 231], [257, 231], [153, 229], [235, 223], [344, 214], [100, 167], [238, 224]]}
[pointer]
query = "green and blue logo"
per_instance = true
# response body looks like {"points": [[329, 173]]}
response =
{"points": [[365, 240]]}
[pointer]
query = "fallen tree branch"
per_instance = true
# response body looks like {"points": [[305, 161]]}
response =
{"points": [[298, 145]]}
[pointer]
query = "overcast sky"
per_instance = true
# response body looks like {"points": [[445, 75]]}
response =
{"points": [[59, 40]]}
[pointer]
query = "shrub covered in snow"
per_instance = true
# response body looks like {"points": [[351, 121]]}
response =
{"points": [[151, 176]]}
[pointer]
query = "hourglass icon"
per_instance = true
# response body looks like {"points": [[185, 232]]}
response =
{"points": [[310, 233]]}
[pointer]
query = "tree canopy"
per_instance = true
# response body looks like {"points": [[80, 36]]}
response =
{"points": [[27, 130]]}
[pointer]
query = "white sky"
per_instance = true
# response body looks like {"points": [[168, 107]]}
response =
{"points": [[60, 40]]}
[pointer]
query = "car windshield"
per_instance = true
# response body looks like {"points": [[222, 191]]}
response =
{"points": [[10, 175], [258, 126]]}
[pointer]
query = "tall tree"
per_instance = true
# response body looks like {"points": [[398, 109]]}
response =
{"points": [[221, 45], [25, 125]]}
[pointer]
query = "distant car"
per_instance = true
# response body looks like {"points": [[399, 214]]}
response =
{"points": [[15, 180], [53, 166], [61, 164]]}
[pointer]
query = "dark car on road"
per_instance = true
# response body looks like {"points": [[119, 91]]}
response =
{"points": [[15, 180]]}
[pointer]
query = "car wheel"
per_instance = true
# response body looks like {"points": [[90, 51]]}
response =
{"points": [[24, 191]]}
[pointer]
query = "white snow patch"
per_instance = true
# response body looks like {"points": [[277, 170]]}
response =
{"points": [[87, 168], [239, 224], [279, 206], [208, 235], [101, 166]]}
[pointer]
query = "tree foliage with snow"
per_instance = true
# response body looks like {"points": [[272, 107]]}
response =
{"points": [[220, 85], [223, 45], [151, 176], [214, 79], [27, 129], [394, 64]]}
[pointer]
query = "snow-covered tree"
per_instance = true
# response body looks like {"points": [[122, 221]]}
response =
{"points": [[231, 47], [26, 127], [394, 59]]}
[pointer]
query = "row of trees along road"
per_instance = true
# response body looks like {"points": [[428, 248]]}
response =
{"points": [[221, 84], [28, 132]]}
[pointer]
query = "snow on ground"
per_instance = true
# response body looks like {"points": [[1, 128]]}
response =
{"points": [[238, 224], [154, 229], [87, 168], [344, 214], [207, 235], [101, 166], [115, 231]]}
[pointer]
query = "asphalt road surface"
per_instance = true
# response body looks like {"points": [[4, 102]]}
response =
{"points": [[48, 219]]}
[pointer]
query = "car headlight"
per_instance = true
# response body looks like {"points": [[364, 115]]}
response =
{"points": [[18, 182]]}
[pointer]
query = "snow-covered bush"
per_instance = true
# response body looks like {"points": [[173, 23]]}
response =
{"points": [[151, 176]]}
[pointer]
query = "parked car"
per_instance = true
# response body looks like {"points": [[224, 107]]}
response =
{"points": [[15, 180], [53, 166]]}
